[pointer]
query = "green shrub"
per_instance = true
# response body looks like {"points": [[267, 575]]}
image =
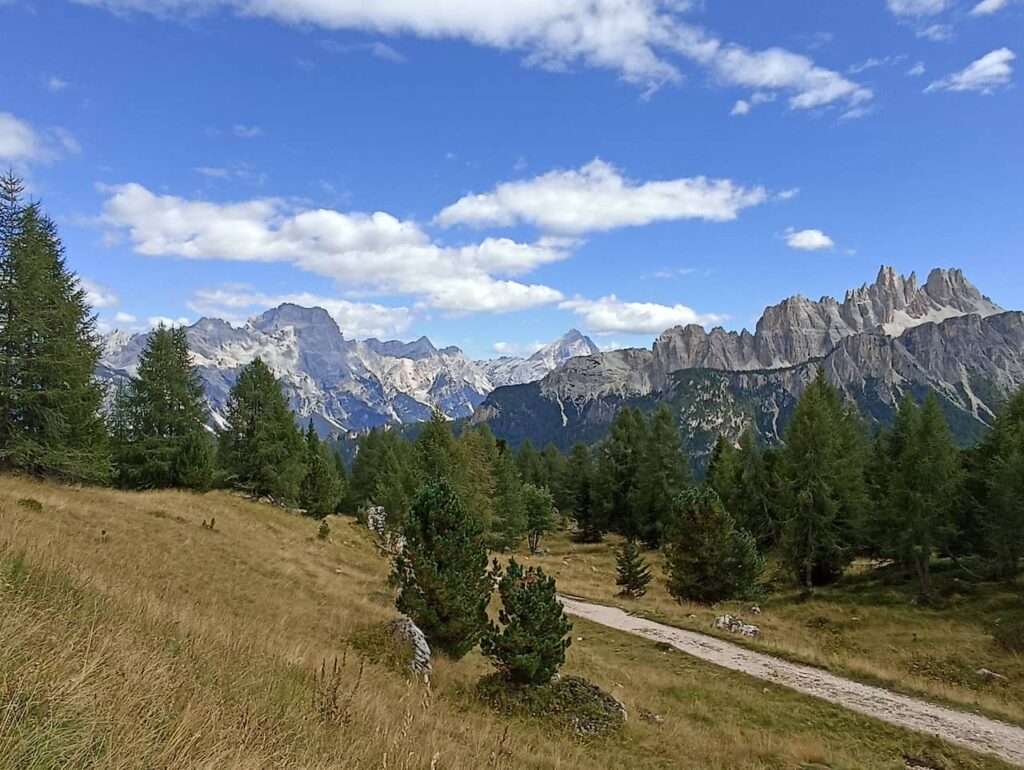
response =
{"points": [[1009, 632]]}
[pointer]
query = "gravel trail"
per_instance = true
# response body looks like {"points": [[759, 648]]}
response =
{"points": [[972, 731]]}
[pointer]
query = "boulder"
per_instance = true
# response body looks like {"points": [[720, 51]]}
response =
{"points": [[404, 630], [736, 626]]}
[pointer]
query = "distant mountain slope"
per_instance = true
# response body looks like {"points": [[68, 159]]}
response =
{"points": [[883, 340], [342, 384]]}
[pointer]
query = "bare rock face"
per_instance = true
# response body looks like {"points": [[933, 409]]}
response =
{"points": [[407, 632]]}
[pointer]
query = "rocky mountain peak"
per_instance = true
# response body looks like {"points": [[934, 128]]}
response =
{"points": [[297, 317]]}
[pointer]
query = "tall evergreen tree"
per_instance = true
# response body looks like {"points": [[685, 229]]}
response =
{"points": [[1002, 464], [321, 489], [442, 574], [50, 421], [921, 483], [478, 453], [437, 452], [531, 465], [752, 503], [724, 472], [540, 514], [261, 449], [707, 559], [822, 470], [585, 507], [160, 439], [554, 473], [662, 473], [618, 462], [510, 524]]}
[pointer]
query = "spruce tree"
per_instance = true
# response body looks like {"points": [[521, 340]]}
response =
{"points": [[395, 482], [160, 439], [540, 514], [752, 503], [618, 463], [554, 472], [261, 449], [50, 421], [529, 646], [510, 524], [921, 483], [531, 465], [321, 490], [585, 507], [444, 584], [478, 452], [1002, 464], [437, 453], [724, 471], [822, 469], [632, 571], [662, 473], [707, 559]]}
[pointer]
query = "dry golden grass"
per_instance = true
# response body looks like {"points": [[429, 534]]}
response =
{"points": [[864, 628], [132, 636]]}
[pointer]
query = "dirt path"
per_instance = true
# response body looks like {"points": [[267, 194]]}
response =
{"points": [[971, 731]]}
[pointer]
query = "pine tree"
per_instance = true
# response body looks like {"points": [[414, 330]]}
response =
{"points": [[341, 474], [540, 514], [822, 469], [531, 465], [437, 453], [531, 645], [321, 490], [478, 452], [396, 482], [1002, 504], [442, 574], [920, 485], [585, 508], [724, 471], [261, 449], [50, 421], [632, 570], [510, 524], [161, 413], [554, 472], [618, 462], [662, 473], [752, 503], [707, 559]]}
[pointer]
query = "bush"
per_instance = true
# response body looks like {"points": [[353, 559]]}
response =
{"points": [[707, 559], [532, 644], [324, 530], [571, 704], [1009, 632]]}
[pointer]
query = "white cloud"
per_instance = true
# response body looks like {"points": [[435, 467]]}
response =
{"points": [[917, 70], [597, 198], [610, 315], [516, 348], [641, 40], [742, 107], [989, 73], [986, 7], [54, 83], [156, 320], [917, 7], [97, 295], [246, 132], [375, 252], [357, 320], [21, 144], [124, 318], [808, 240], [936, 32]]}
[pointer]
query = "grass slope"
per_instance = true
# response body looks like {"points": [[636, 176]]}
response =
{"points": [[133, 637], [865, 627]]}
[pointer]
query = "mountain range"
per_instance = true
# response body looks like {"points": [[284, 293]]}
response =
{"points": [[882, 341], [343, 385]]}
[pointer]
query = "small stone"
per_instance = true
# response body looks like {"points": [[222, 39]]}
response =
{"points": [[985, 673], [736, 626], [755, 610], [650, 716]]}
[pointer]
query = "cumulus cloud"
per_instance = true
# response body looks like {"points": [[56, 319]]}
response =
{"points": [[376, 252], [124, 318], [917, 70], [355, 319], [643, 41], [989, 73], [610, 315], [741, 107], [97, 295], [808, 240], [161, 320], [22, 144], [597, 198]]}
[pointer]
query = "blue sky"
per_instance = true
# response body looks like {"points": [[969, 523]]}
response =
{"points": [[493, 173]]}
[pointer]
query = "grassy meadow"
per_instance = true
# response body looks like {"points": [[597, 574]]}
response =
{"points": [[865, 627], [133, 636]]}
